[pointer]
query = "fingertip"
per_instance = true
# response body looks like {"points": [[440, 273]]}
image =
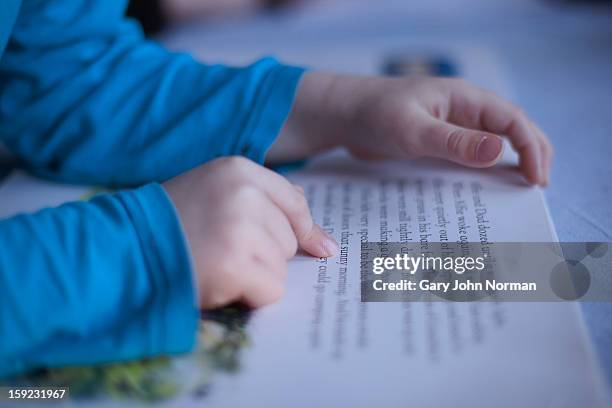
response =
{"points": [[321, 244], [543, 177], [534, 178], [527, 170], [530, 164], [489, 149], [330, 246], [547, 165], [531, 176]]}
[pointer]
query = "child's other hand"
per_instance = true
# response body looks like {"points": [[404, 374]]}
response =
{"points": [[243, 222], [378, 117]]}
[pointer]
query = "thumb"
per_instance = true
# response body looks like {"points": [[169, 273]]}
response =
{"points": [[469, 147]]}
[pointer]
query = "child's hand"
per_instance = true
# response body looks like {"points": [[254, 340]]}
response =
{"points": [[243, 222], [377, 117]]}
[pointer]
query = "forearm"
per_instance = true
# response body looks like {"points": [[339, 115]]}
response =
{"points": [[96, 281], [89, 101]]}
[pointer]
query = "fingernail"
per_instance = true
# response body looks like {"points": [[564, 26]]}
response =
{"points": [[488, 149], [330, 246]]}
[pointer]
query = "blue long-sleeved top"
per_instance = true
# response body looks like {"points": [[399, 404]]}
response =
{"points": [[84, 98]]}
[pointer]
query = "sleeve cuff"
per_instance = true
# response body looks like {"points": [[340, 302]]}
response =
{"points": [[171, 274], [270, 111]]}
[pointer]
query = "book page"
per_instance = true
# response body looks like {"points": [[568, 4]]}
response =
{"points": [[322, 346]]}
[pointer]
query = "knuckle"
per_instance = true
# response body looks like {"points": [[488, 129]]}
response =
{"points": [[227, 291], [529, 144], [247, 194], [453, 83], [518, 114], [273, 292], [234, 162], [299, 207], [303, 227], [454, 140], [459, 81]]}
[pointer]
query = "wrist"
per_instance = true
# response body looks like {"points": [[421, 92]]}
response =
{"points": [[317, 121]]}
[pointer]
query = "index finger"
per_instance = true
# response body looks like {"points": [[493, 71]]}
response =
{"points": [[311, 237]]}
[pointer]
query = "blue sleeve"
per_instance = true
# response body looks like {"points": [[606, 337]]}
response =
{"points": [[111, 276], [84, 98]]}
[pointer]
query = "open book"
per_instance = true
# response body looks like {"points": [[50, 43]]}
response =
{"points": [[321, 346]]}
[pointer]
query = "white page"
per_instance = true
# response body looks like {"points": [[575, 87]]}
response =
{"points": [[320, 348]]}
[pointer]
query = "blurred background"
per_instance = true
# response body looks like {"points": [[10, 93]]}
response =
{"points": [[554, 58]]}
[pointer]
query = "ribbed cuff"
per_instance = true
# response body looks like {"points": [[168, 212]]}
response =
{"points": [[270, 111], [169, 263]]}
